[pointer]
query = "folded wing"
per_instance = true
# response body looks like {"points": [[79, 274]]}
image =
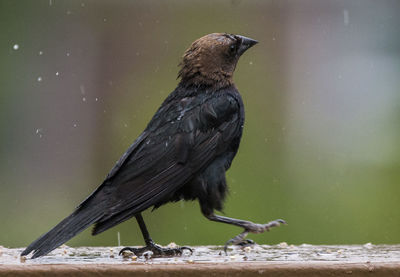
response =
{"points": [[179, 142]]}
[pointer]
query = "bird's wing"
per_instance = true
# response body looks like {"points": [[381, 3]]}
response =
{"points": [[181, 140]]}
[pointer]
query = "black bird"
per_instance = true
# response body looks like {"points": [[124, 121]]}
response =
{"points": [[182, 154]]}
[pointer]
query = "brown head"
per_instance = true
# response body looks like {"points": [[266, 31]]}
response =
{"points": [[211, 60]]}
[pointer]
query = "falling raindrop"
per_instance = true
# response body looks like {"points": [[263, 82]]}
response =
{"points": [[39, 79], [82, 88], [57, 73], [16, 47], [40, 53], [346, 17]]}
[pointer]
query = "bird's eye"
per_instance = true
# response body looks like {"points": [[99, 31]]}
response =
{"points": [[232, 48]]}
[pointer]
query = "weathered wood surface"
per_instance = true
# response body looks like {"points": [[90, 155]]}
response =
{"points": [[259, 260]]}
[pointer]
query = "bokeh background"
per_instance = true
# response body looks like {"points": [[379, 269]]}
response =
{"points": [[79, 80]]}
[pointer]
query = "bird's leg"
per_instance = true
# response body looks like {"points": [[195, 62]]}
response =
{"points": [[249, 227], [151, 246]]}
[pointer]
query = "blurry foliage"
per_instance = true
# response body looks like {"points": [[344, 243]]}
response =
{"points": [[321, 90]]}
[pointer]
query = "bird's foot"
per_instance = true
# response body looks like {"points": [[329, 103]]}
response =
{"points": [[246, 242], [156, 251], [252, 228]]}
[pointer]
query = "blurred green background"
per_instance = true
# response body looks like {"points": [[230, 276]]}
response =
{"points": [[79, 80]]}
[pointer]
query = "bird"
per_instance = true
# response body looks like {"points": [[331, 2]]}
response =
{"points": [[183, 154]]}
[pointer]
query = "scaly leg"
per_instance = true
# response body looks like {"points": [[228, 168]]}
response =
{"points": [[249, 227]]}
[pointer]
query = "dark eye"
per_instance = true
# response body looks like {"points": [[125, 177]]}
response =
{"points": [[232, 48]]}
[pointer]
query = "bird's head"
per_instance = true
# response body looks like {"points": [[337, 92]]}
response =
{"points": [[211, 60]]}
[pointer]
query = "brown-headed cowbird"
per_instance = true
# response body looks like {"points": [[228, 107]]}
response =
{"points": [[182, 154]]}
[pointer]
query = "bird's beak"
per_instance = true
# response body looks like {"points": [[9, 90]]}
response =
{"points": [[245, 44]]}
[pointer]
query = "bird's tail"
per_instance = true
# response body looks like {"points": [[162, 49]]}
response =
{"points": [[79, 220]]}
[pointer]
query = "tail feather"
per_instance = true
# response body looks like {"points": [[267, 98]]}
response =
{"points": [[72, 225]]}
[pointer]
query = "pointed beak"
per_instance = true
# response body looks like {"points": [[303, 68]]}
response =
{"points": [[245, 44]]}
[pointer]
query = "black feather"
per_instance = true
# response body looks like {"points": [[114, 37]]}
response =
{"points": [[72, 225], [182, 154]]}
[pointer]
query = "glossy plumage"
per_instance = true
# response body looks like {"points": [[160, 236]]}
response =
{"points": [[191, 133], [183, 153]]}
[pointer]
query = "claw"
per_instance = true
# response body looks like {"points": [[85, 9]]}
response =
{"points": [[127, 249], [246, 242], [186, 248], [254, 228], [157, 250], [274, 223], [236, 240]]}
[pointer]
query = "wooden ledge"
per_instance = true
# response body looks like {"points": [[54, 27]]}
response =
{"points": [[264, 260], [298, 269]]}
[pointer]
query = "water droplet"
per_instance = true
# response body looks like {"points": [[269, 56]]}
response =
{"points": [[104, 19], [39, 132], [57, 73], [16, 47], [40, 53], [96, 99], [84, 99], [83, 5], [39, 79], [75, 125], [273, 38], [250, 63]]}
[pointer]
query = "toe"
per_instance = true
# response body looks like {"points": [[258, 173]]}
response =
{"points": [[125, 249], [281, 221], [186, 248], [246, 242]]}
